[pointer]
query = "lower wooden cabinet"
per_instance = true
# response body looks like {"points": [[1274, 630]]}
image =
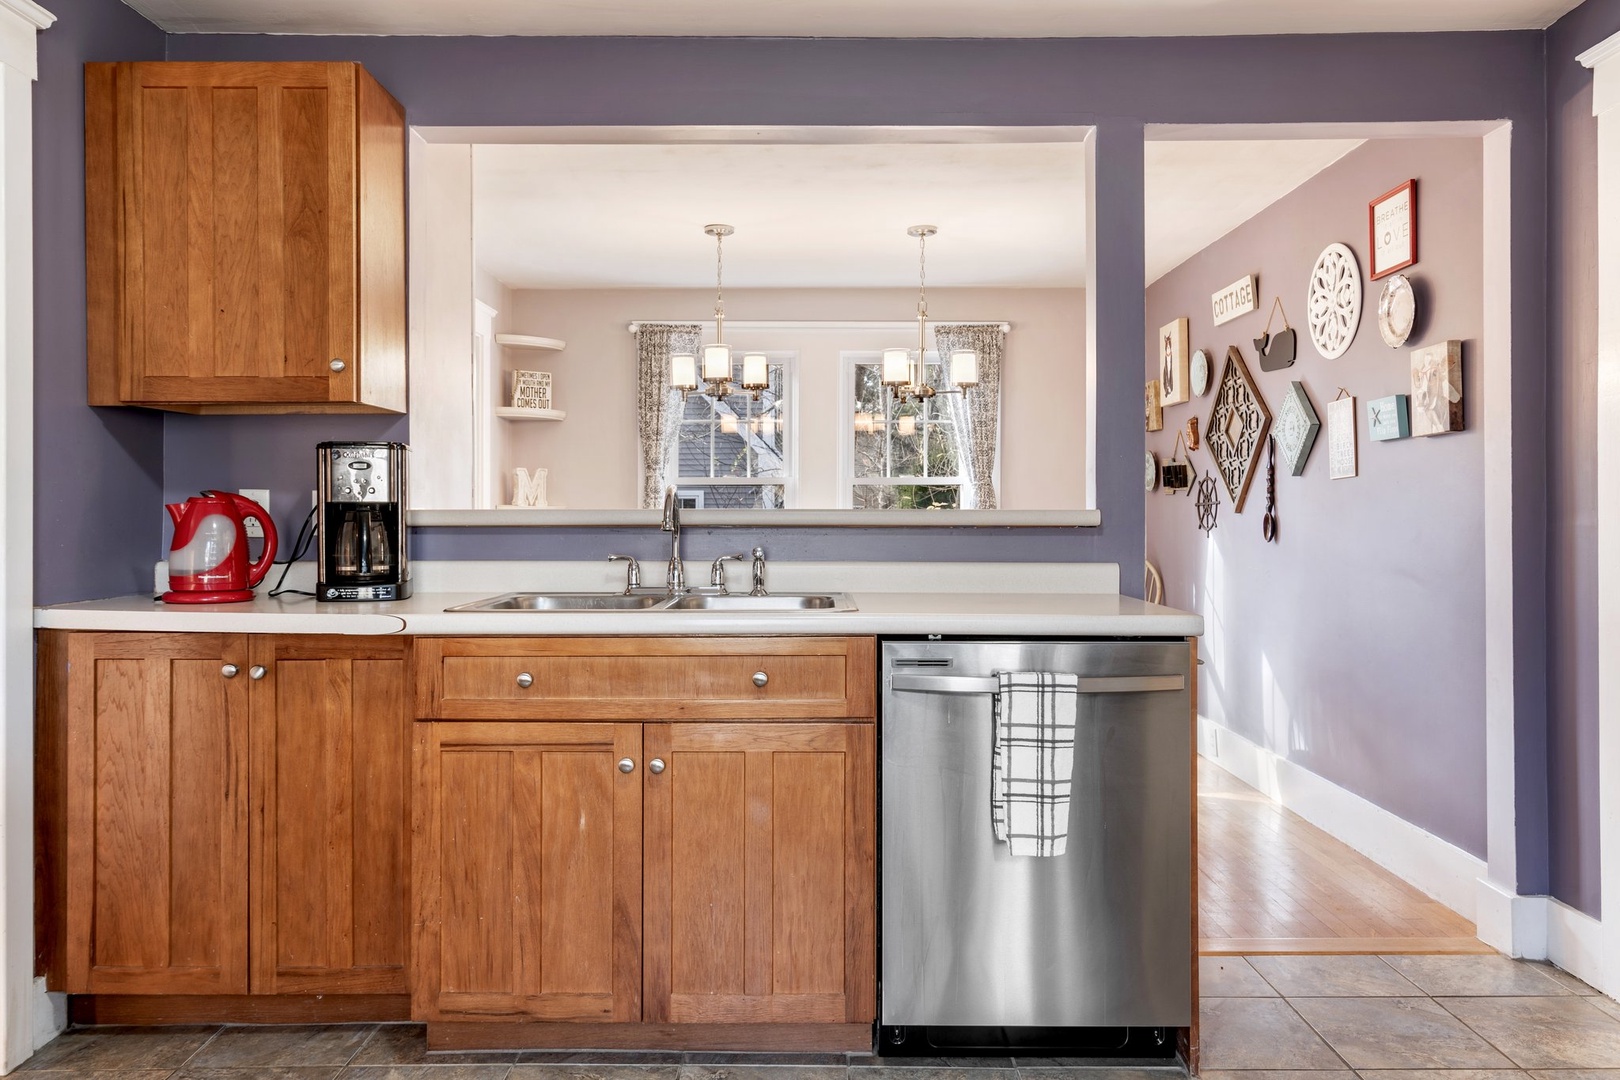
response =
{"points": [[156, 821], [222, 814], [528, 871], [664, 873], [330, 724]]}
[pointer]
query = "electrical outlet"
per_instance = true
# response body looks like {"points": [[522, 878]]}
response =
{"points": [[262, 497]]}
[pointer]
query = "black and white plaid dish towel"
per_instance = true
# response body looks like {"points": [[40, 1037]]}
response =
{"points": [[1032, 759]]}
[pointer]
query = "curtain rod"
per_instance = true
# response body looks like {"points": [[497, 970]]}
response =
{"points": [[827, 324]]}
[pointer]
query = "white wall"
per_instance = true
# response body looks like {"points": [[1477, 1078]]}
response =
{"points": [[592, 455]]}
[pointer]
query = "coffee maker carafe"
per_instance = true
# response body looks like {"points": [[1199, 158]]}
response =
{"points": [[360, 530]]}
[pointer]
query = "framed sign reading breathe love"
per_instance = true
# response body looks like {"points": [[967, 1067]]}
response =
{"points": [[1392, 230]]}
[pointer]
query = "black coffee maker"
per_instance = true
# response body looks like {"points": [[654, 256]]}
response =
{"points": [[360, 531]]}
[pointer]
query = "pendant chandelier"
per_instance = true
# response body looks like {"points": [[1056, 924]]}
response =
{"points": [[683, 367], [905, 372]]}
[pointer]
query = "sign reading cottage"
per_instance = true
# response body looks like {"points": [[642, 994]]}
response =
{"points": [[1238, 298]]}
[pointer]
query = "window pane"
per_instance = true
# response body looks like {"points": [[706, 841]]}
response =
{"points": [[736, 436], [732, 496], [907, 497]]}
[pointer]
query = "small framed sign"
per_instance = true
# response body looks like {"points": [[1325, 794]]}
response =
{"points": [[1392, 230], [1387, 418], [1238, 298]]}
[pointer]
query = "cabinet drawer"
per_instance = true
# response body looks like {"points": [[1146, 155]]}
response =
{"points": [[646, 678]]}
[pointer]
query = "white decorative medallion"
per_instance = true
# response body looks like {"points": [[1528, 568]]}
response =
{"points": [[1334, 301]]}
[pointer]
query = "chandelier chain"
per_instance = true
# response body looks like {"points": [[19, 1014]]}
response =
{"points": [[922, 275], [719, 275]]}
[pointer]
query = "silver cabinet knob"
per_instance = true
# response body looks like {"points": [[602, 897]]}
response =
{"points": [[656, 765], [337, 365], [256, 672], [627, 765], [760, 678], [525, 680], [229, 671]]}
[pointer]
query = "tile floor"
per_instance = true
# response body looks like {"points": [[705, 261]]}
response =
{"points": [[1348, 1017]]}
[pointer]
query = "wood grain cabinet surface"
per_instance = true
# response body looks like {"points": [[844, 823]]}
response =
{"points": [[689, 864], [223, 815], [244, 237]]}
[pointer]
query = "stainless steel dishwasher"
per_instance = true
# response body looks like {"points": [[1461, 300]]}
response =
{"points": [[1090, 950]]}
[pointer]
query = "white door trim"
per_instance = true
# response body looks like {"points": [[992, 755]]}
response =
{"points": [[1604, 60], [20, 22]]}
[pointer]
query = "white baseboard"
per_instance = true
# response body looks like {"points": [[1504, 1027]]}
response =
{"points": [[50, 1013], [1511, 923], [1436, 867], [1575, 943]]}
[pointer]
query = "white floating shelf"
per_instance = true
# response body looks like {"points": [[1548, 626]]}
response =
{"points": [[506, 413], [528, 341]]}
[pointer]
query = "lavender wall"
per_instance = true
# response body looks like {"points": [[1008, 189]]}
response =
{"points": [[1572, 569], [1117, 85], [99, 471], [1355, 645]]}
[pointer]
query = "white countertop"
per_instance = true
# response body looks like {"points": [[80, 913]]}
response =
{"points": [[1012, 599]]}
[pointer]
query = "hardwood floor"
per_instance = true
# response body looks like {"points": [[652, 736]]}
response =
{"points": [[1270, 882]]}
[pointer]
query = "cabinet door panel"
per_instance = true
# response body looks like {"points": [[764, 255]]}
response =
{"points": [[157, 811], [759, 885], [239, 259], [528, 871], [331, 731]]}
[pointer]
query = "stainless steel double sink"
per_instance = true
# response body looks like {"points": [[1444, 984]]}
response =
{"points": [[693, 601]]}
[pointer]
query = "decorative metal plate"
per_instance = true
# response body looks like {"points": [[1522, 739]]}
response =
{"points": [[1334, 300], [1397, 311], [1151, 480], [1208, 503], [1236, 432], [1198, 374], [1297, 425]]}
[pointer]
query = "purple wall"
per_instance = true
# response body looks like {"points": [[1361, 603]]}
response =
{"points": [[1572, 569], [1355, 645], [98, 471]]}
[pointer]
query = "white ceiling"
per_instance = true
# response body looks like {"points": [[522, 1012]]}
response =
{"points": [[847, 18], [835, 215], [817, 215], [1194, 193]]}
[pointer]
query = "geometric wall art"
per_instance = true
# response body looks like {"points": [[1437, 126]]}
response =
{"points": [[1297, 425], [1237, 428], [1437, 402]]}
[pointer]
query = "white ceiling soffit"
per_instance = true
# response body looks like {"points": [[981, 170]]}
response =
{"points": [[847, 18], [1195, 192], [807, 216]]}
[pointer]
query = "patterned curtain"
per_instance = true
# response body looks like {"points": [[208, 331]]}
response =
{"points": [[658, 406], [976, 420]]}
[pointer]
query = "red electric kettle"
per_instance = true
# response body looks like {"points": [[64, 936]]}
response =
{"points": [[208, 561]]}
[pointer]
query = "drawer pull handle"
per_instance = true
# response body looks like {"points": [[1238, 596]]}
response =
{"points": [[627, 765], [526, 680], [337, 365], [656, 765], [256, 672], [229, 671], [760, 679]]}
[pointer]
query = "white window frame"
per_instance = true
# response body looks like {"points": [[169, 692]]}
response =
{"points": [[788, 360], [849, 360]]}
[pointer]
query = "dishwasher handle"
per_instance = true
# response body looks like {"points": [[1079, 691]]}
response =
{"points": [[1089, 684]]}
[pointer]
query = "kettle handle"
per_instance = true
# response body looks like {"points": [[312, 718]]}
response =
{"points": [[250, 509]]}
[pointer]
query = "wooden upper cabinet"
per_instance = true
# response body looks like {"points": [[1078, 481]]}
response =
{"points": [[329, 830], [244, 237], [527, 872], [156, 814], [759, 887]]}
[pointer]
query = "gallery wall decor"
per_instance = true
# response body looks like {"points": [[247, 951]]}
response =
{"points": [[1173, 387], [1150, 479], [1341, 425], [1155, 411], [1192, 433], [1297, 425], [1334, 301], [1198, 373], [1268, 521], [1237, 427], [1397, 311], [1392, 230], [1208, 503], [1276, 352], [1387, 418], [1176, 473], [1238, 298], [1437, 389]]}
